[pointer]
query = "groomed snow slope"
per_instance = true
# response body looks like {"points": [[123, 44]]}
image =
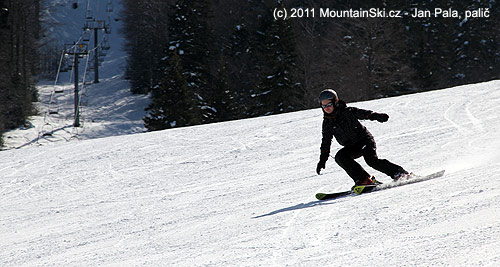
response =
{"points": [[241, 193]]}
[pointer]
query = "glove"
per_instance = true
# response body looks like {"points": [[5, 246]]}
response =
{"points": [[322, 160], [321, 165], [380, 117]]}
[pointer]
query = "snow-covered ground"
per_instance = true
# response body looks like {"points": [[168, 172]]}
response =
{"points": [[107, 108], [241, 193]]}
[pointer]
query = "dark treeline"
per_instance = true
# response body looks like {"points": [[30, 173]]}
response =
{"points": [[19, 32], [207, 61]]}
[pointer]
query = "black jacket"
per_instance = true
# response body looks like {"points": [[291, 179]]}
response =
{"points": [[344, 124]]}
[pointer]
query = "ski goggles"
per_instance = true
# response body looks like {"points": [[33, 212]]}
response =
{"points": [[327, 105]]}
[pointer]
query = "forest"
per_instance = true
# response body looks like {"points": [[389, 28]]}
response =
{"points": [[19, 61], [207, 60]]}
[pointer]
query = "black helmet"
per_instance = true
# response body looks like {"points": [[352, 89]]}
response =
{"points": [[328, 94]]}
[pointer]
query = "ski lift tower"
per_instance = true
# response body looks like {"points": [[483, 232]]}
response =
{"points": [[96, 25], [78, 51]]}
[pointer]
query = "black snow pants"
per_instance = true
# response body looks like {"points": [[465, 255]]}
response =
{"points": [[367, 148]]}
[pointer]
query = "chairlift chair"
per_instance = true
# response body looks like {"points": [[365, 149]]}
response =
{"points": [[109, 6], [86, 36], [47, 130], [107, 28], [81, 48], [89, 14], [105, 44]]}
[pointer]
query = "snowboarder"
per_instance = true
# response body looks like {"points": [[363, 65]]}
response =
{"points": [[342, 121]]}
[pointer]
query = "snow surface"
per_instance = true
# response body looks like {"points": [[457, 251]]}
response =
{"points": [[241, 193]]}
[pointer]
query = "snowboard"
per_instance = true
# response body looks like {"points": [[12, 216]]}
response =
{"points": [[356, 190]]}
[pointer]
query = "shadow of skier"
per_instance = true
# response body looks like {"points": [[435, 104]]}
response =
{"points": [[298, 207]]}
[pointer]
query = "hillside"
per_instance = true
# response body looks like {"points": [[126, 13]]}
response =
{"points": [[107, 108], [241, 193]]}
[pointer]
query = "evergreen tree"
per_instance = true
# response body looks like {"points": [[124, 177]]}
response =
{"points": [[145, 24], [281, 85], [429, 43], [190, 39], [474, 55], [190, 34], [272, 67], [243, 66], [448, 51], [375, 46], [224, 99], [173, 103], [19, 34]]}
